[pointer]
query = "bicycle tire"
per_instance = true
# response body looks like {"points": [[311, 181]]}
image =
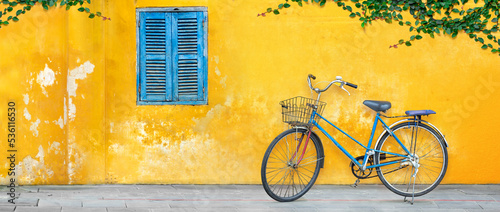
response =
{"points": [[279, 159], [432, 158]]}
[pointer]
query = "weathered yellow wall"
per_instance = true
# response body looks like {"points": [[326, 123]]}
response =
{"points": [[74, 83]]}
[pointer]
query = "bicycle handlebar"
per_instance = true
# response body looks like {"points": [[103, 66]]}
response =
{"points": [[338, 80], [351, 85]]}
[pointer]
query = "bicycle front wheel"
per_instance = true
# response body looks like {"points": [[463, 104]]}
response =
{"points": [[424, 171], [291, 165]]}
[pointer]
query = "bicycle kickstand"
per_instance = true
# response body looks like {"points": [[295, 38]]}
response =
{"points": [[355, 183], [413, 193]]}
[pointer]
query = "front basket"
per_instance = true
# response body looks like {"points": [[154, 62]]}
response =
{"points": [[297, 111]]}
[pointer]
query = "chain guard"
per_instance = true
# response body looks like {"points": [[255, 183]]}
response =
{"points": [[357, 172]]}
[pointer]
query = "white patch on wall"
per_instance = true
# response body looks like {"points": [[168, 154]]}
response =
{"points": [[74, 165], [223, 81], [34, 127], [216, 58], [78, 73], [140, 127], [46, 78], [30, 169], [217, 71], [59, 122], [54, 147], [26, 98], [111, 125], [65, 111], [27, 114]]}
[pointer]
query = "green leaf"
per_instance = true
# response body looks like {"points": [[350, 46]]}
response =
{"points": [[276, 12], [349, 8], [286, 5], [87, 9], [484, 47], [15, 19], [269, 10], [454, 34], [418, 37], [408, 43], [280, 6], [98, 13], [401, 41], [91, 15], [19, 12], [494, 20], [81, 9], [412, 37], [352, 15]]}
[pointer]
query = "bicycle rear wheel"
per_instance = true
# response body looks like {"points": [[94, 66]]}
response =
{"points": [[430, 154], [291, 165]]}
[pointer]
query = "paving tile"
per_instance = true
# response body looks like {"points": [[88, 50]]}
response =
{"points": [[7, 208], [79, 209], [21, 201], [59, 202], [146, 204], [173, 210], [489, 205], [104, 204], [128, 209], [458, 205], [36, 209]]}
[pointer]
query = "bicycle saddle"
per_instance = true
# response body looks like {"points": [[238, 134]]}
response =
{"points": [[378, 106]]}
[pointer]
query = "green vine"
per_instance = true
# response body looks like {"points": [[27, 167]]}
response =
{"points": [[478, 19], [22, 6]]}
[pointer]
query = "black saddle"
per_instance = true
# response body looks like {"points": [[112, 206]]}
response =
{"points": [[378, 106]]}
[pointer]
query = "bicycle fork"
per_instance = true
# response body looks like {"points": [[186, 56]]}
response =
{"points": [[298, 148]]}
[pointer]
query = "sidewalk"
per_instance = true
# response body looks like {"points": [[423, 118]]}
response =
{"points": [[111, 198]]}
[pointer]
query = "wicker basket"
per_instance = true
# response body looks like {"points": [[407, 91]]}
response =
{"points": [[297, 111]]}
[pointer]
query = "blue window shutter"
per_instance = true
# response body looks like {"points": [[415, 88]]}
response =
{"points": [[189, 56], [155, 57]]}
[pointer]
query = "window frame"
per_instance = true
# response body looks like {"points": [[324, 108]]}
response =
{"points": [[204, 63]]}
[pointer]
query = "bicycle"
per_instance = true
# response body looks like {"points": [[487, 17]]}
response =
{"points": [[410, 156]]}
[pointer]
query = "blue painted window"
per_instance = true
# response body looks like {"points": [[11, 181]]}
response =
{"points": [[172, 56]]}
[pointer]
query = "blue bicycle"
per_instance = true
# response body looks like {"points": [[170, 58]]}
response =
{"points": [[410, 156]]}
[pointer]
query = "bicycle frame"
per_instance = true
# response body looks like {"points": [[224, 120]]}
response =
{"points": [[369, 151]]}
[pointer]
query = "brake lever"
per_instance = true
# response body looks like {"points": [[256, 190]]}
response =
{"points": [[342, 86]]}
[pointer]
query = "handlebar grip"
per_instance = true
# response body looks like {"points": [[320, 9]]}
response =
{"points": [[312, 76], [351, 85]]}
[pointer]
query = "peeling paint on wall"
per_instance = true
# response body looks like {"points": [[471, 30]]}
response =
{"points": [[34, 127], [27, 114], [59, 122], [31, 169], [26, 99], [54, 147], [78, 73], [65, 111], [46, 78]]}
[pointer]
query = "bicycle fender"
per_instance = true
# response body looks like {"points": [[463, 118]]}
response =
{"points": [[411, 120]]}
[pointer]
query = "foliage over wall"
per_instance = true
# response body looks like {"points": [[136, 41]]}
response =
{"points": [[478, 19], [22, 6]]}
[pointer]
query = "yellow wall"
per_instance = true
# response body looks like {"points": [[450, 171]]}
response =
{"points": [[74, 83]]}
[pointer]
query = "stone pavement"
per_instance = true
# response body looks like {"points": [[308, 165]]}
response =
{"points": [[111, 198]]}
